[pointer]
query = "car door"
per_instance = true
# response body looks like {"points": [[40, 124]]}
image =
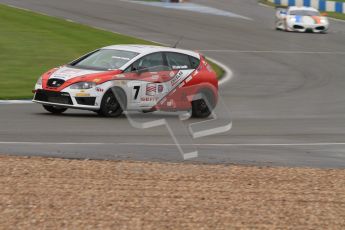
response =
{"points": [[183, 66], [148, 71]]}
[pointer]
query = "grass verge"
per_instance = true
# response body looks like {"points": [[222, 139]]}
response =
{"points": [[336, 15], [32, 43], [219, 71]]}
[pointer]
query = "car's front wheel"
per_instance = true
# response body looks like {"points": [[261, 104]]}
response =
{"points": [[54, 109], [110, 106]]}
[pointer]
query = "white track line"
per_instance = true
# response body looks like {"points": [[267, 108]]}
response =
{"points": [[337, 20], [8, 102], [276, 51], [167, 144]]}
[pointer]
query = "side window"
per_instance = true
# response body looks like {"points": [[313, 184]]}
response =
{"points": [[195, 62], [151, 60], [178, 61], [148, 63]]}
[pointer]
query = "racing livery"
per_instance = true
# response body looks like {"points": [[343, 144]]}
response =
{"points": [[121, 78], [301, 19]]}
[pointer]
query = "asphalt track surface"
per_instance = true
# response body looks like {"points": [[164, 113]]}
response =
{"points": [[286, 96]]}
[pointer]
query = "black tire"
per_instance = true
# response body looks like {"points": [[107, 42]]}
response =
{"points": [[54, 109], [200, 108], [110, 105]]}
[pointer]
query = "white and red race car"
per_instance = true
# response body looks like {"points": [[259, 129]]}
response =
{"points": [[301, 19], [121, 78]]}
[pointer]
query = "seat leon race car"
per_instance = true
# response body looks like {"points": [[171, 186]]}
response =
{"points": [[301, 19], [121, 78]]}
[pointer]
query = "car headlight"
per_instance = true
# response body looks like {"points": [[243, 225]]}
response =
{"points": [[292, 19], [83, 85], [323, 20], [39, 81]]}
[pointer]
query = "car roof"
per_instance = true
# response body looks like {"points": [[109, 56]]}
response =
{"points": [[303, 8], [147, 49]]}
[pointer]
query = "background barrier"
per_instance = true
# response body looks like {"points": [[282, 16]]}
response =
{"points": [[321, 5]]}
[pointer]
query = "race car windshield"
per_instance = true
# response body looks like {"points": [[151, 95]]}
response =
{"points": [[105, 59], [304, 13]]}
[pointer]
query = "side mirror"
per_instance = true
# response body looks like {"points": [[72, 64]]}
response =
{"points": [[141, 70]]}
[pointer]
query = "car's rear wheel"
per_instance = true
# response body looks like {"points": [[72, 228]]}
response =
{"points": [[54, 109], [111, 106], [201, 109]]}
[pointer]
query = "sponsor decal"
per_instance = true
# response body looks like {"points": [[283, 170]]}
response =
{"points": [[176, 78], [180, 67], [160, 88], [155, 77], [66, 73], [163, 101], [61, 77], [96, 80], [98, 89], [151, 89], [82, 95], [171, 74], [189, 78], [170, 102], [121, 58], [148, 99], [120, 76]]}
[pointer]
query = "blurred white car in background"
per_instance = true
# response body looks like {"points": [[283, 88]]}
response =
{"points": [[301, 19]]}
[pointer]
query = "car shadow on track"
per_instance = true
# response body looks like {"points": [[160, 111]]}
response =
{"points": [[135, 116], [155, 115]]}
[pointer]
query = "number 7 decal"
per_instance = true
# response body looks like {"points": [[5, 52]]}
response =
{"points": [[137, 89]]}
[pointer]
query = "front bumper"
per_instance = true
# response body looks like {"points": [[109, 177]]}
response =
{"points": [[68, 100], [315, 28]]}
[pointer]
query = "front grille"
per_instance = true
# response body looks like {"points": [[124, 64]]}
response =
{"points": [[298, 27], [86, 100], [53, 97], [53, 82]]}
